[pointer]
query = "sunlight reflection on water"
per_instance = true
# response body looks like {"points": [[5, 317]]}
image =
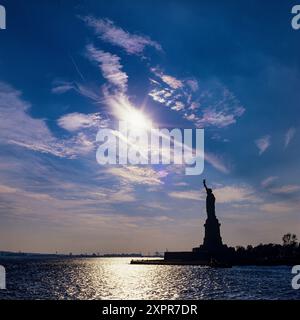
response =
{"points": [[115, 278]]}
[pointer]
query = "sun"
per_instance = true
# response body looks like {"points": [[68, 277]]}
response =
{"points": [[138, 124], [136, 119]]}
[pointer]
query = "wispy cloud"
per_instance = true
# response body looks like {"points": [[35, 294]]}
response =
{"points": [[231, 194], [218, 118], [110, 66], [214, 105], [222, 107], [280, 207], [263, 143], [82, 143], [193, 83], [136, 175], [111, 33], [7, 189], [122, 194], [61, 86], [22, 130], [268, 181], [285, 189], [16, 191], [217, 162], [228, 194], [289, 136], [288, 189], [61, 185], [187, 195], [171, 81], [180, 184], [76, 121]]}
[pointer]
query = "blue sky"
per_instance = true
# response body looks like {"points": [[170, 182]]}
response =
{"points": [[231, 69]]}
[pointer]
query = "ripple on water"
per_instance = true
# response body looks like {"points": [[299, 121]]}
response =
{"points": [[115, 278]]}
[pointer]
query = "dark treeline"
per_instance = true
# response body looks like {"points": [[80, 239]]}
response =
{"points": [[287, 253]]}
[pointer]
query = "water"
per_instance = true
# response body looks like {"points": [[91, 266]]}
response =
{"points": [[115, 278]]}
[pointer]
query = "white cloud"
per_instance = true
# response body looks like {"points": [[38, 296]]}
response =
{"points": [[171, 81], [289, 136], [187, 195], [268, 181], [286, 189], [161, 95], [7, 189], [110, 66], [123, 194], [193, 83], [16, 191], [215, 106], [88, 92], [228, 194], [194, 105], [190, 117], [60, 87], [157, 206], [75, 121], [277, 207], [83, 143], [180, 184], [20, 129], [136, 175], [263, 144], [216, 118], [178, 106], [216, 162], [109, 32], [231, 194]]}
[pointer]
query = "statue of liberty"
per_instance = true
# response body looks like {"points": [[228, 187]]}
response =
{"points": [[212, 239], [210, 202]]}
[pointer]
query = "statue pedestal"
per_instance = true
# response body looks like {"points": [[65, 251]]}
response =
{"points": [[212, 248], [212, 239], [212, 245]]}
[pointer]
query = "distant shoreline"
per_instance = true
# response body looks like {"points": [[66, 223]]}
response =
{"points": [[26, 255]]}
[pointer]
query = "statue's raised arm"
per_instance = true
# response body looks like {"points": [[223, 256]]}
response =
{"points": [[204, 183], [210, 201]]}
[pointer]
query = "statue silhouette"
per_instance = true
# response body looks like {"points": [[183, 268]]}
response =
{"points": [[212, 239], [210, 202], [212, 251]]}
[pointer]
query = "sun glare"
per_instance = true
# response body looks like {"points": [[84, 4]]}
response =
{"points": [[137, 119], [124, 111]]}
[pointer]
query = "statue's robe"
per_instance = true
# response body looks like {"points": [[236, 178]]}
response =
{"points": [[210, 205]]}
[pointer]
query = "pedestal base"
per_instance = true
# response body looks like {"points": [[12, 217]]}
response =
{"points": [[212, 239], [211, 251]]}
